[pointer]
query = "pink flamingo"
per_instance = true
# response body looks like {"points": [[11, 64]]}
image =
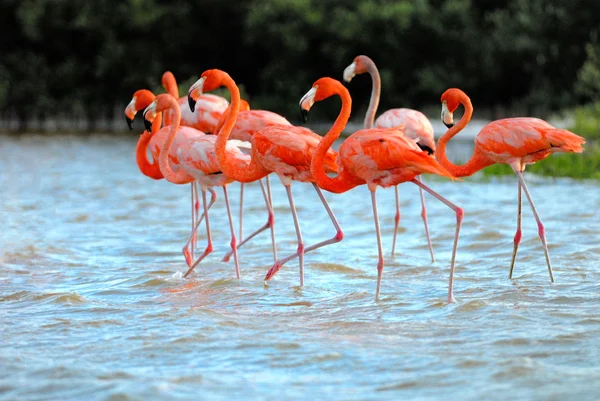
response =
{"points": [[248, 123], [377, 157], [285, 150], [513, 141], [140, 100], [197, 158], [207, 110], [416, 126]]}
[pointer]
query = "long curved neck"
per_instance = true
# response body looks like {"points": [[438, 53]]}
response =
{"points": [[179, 177], [477, 161], [375, 92], [151, 170], [252, 171], [170, 84], [343, 181]]}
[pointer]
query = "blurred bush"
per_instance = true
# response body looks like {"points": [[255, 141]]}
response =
{"points": [[71, 56]]}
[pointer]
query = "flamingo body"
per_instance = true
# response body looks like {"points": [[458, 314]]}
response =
{"points": [[524, 140], [207, 113], [416, 126], [384, 157], [249, 122], [288, 151]]}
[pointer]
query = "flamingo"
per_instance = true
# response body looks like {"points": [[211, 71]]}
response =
{"points": [[377, 157], [207, 110], [249, 122], [416, 126], [282, 149], [513, 141], [197, 158], [140, 100]]}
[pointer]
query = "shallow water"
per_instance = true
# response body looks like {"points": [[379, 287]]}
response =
{"points": [[93, 306]]}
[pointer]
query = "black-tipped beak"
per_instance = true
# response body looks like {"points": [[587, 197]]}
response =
{"points": [[449, 125], [129, 123], [304, 114], [147, 124], [191, 103]]}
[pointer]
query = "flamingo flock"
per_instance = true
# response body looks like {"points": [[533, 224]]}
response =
{"points": [[208, 142]]}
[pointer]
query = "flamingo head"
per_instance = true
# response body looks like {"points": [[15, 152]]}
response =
{"points": [[450, 101], [321, 90], [358, 66], [209, 81], [140, 100], [161, 103]]}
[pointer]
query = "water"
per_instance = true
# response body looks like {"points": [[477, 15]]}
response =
{"points": [[93, 306]]}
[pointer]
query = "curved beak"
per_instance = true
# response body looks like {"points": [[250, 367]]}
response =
{"points": [[306, 103], [447, 116], [130, 113], [194, 92], [349, 72], [149, 115]]}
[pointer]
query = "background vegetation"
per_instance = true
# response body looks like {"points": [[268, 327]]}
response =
{"points": [[85, 58]]}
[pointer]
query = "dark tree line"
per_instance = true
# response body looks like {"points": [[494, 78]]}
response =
{"points": [[85, 57]]}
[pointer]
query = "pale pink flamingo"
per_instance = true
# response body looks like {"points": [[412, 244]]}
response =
{"points": [[416, 126], [377, 157], [140, 100], [285, 150], [513, 141], [197, 158]]}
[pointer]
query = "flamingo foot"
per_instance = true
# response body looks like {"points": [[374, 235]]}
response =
{"points": [[273, 270], [188, 256], [451, 299]]}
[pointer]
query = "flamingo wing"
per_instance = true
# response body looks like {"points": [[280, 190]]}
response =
{"points": [[291, 146], [416, 126], [207, 114], [249, 122], [372, 154], [524, 136]]}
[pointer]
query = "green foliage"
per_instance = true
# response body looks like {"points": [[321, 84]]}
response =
{"points": [[69, 55]]}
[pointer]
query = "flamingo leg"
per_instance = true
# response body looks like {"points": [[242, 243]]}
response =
{"points": [[541, 229], [288, 189], [270, 222], [194, 217], [460, 214], [186, 253], [424, 216], [241, 210], [233, 241], [517, 234], [271, 217], [396, 220], [209, 246], [337, 238], [380, 261], [197, 206]]}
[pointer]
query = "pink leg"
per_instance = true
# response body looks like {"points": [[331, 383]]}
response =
{"points": [[517, 238], [271, 217], [194, 217], [270, 223], [197, 206], [233, 241], [541, 229], [424, 216], [396, 220], [288, 189], [209, 246], [337, 238], [460, 213], [186, 253], [379, 246], [241, 210]]}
